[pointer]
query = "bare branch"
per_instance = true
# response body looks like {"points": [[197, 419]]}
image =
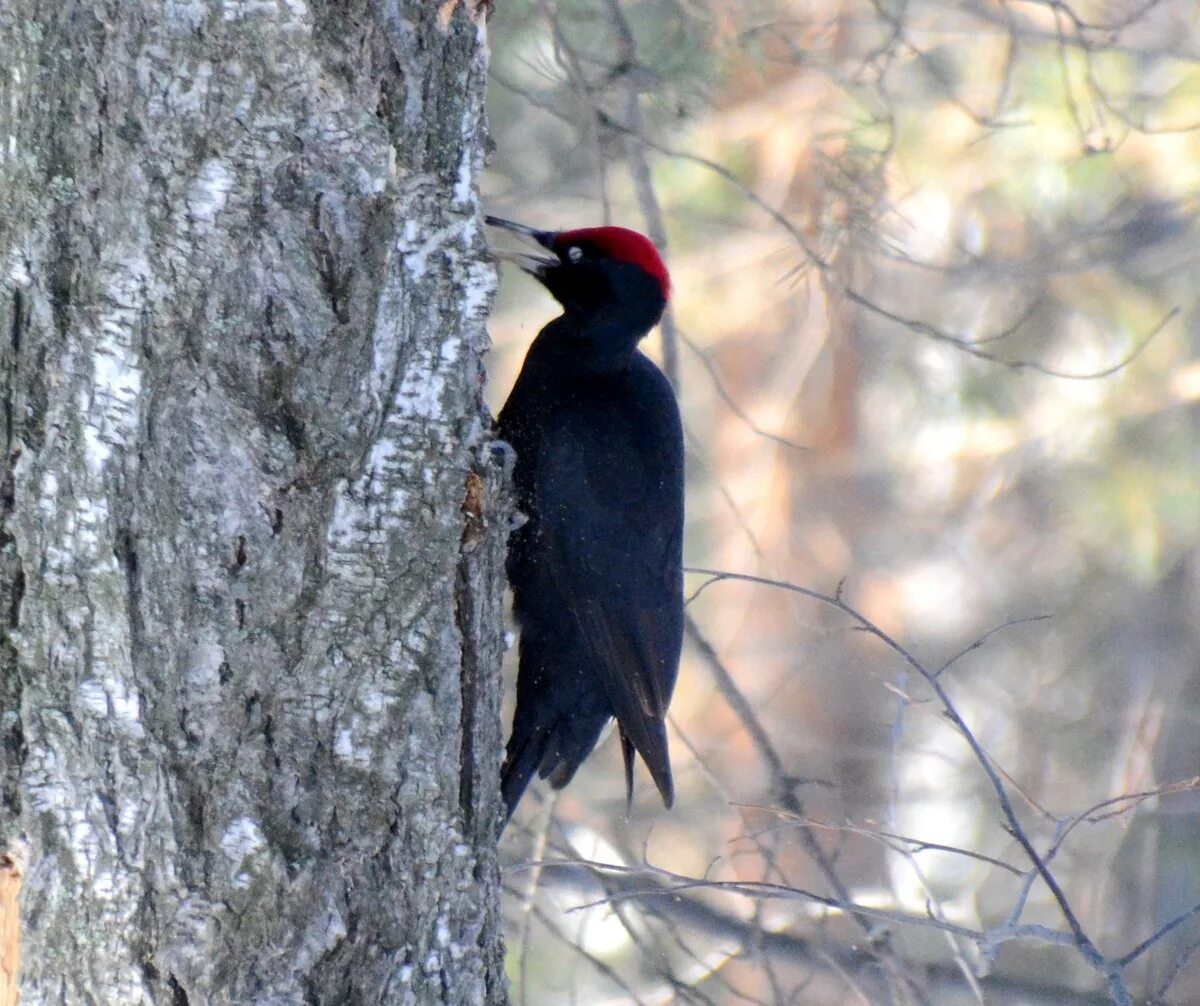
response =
{"points": [[898, 843], [1146, 944], [657, 882], [1109, 969], [727, 398], [985, 637]]}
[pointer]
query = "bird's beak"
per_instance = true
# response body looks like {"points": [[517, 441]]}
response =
{"points": [[544, 238], [535, 265]]}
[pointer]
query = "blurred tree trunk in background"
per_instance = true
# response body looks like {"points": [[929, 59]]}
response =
{"points": [[251, 547]]}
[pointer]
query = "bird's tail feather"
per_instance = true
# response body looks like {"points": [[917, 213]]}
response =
{"points": [[653, 749], [520, 762], [627, 754]]}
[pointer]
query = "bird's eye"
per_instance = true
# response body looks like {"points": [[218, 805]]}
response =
{"points": [[574, 253]]}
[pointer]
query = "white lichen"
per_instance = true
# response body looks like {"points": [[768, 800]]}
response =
{"points": [[18, 270], [113, 700], [209, 191], [240, 840]]}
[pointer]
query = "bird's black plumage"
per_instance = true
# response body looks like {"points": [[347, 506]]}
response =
{"points": [[596, 570]]}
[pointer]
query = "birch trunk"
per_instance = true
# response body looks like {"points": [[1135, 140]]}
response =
{"points": [[252, 530]]}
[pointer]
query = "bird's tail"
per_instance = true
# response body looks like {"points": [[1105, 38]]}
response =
{"points": [[520, 762], [653, 749]]}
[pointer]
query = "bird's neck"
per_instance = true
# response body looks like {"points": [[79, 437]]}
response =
{"points": [[592, 346]]}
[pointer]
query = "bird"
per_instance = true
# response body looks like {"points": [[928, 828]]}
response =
{"points": [[596, 569]]}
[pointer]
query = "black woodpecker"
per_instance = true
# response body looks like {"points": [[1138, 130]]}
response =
{"points": [[596, 570]]}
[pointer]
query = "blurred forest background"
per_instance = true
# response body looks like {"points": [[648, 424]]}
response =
{"points": [[936, 335]]}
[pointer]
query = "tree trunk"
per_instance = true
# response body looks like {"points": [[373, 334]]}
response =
{"points": [[252, 530]]}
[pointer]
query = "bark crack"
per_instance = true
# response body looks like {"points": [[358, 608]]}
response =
{"points": [[465, 616], [12, 592]]}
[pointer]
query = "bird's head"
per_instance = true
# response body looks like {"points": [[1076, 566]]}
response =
{"points": [[606, 278]]}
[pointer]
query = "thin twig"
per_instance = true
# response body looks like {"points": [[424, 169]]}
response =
{"points": [[1146, 944], [888, 838], [639, 168], [985, 637], [723, 393], [657, 882]]}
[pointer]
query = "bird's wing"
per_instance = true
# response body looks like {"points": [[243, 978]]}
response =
{"points": [[610, 524]]}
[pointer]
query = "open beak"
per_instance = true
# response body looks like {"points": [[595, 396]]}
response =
{"points": [[535, 265], [544, 238]]}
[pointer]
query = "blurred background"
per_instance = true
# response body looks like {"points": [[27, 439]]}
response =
{"points": [[936, 338]]}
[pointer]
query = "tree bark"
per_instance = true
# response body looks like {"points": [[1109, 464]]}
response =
{"points": [[252, 528]]}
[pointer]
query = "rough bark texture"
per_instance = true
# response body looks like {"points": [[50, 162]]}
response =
{"points": [[252, 529]]}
